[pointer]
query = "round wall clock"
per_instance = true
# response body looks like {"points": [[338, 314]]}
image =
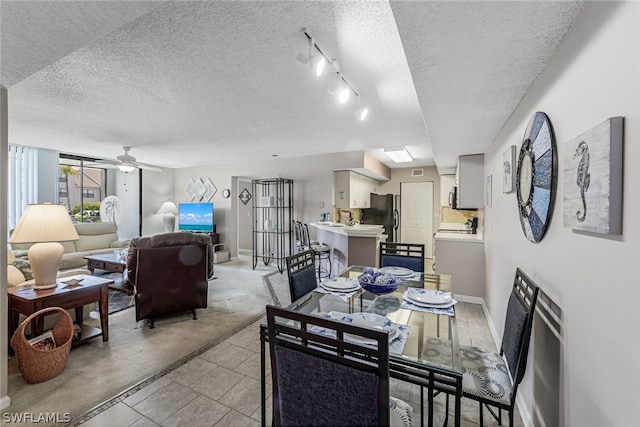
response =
{"points": [[226, 193], [536, 177]]}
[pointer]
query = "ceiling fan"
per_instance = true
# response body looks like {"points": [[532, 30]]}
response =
{"points": [[127, 163]]}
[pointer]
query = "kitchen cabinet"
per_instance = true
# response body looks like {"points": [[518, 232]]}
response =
{"points": [[446, 185], [353, 190], [462, 256], [470, 181]]}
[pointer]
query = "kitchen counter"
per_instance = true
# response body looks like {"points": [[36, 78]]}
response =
{"points": [[359, 230], [350, 245], [461, 237]]}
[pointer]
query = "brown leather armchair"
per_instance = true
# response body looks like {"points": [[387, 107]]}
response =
{"points": [[169, 273]]}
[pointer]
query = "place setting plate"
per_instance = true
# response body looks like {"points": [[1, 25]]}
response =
{"points": [[429, 298], [340, 284], [397, 271], [371, 321]]}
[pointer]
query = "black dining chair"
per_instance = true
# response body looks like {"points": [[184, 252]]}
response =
{"points": [[302, 274], [321, 251], [320, 378], [407, 255], [485, 376]]}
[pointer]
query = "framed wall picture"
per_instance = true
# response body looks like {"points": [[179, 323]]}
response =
{"points": [[592, 169], [245, 196], [509, 170]]}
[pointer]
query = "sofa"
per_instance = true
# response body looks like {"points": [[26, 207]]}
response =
{"points": [[169, 273], [94, 238]]}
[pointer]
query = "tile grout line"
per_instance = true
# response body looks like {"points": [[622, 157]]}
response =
{"points": [[142, 384]]}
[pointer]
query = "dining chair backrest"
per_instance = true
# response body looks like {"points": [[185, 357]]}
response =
{"points": [[518, 325], [298, 236], [407, 255], [301, 270], [322, 379]]}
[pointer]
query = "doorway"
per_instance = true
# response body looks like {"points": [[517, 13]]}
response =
{"points": [[416, 214]]}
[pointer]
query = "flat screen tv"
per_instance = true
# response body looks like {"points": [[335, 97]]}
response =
{"points": [[195, 217]]}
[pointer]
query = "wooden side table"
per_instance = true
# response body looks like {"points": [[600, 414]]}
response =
{"points": [[26, 300]]}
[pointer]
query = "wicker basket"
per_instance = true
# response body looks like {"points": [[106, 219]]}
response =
{"points": [[37, 365]]}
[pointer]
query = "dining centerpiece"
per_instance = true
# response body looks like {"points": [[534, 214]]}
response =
{"points": [[378, 282]]}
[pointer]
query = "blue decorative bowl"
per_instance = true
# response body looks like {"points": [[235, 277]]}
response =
{"points": [[378, 283]]}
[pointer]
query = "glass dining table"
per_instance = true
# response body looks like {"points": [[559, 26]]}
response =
{"points": [[430, 357]]}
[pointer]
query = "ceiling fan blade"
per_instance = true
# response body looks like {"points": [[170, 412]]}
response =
{"points": [[147, 167], [106, 162]]}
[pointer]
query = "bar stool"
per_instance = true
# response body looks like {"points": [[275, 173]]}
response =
{"points": [[321, 252]]}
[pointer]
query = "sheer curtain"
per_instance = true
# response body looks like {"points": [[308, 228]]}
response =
{"points": [[23, 182]]}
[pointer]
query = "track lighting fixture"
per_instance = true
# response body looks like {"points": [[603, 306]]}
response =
{"points": [[341, 92], [316, 63], [362, 111]]}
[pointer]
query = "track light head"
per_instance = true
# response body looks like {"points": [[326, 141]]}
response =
{"points": [[362, 113], [315, 63], [342, 91]]}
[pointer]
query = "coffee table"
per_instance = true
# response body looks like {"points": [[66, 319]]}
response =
{"points": [[109, 262], [26, 300]]}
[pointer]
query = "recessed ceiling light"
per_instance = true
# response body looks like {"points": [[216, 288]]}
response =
{"points": [[398, 155]]}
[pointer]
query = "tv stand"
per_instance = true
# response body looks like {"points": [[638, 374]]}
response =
{"points": [[215, 239]]}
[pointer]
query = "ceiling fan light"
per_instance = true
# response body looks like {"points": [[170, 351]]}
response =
{"points": [[126, 168]]}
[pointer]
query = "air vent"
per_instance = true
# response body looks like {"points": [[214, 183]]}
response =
{"points": [[417, 172]]}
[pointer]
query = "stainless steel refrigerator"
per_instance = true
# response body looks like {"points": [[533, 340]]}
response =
{"points": [[385, 210]]}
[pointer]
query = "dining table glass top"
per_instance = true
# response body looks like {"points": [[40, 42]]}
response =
{"points": [[432, 341]]}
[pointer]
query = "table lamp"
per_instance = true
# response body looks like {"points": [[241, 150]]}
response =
{"points": [[169, 211], [44, 225]]}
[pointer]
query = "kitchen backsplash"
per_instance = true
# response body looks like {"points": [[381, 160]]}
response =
{"points": [[454, 215], [339, 215]]}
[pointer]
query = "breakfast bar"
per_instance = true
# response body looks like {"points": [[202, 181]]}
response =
{"points": [[351, 244]]}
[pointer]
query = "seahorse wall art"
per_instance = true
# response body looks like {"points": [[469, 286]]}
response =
{"points": [[583, 177], [592, 168]]}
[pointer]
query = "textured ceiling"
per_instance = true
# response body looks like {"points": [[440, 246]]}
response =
{"points": [[200, 82]]}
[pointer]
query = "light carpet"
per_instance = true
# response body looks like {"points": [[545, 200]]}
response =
{"points": [[98, 370]]}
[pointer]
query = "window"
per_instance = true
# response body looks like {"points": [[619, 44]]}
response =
{"points": [[81, 188]]}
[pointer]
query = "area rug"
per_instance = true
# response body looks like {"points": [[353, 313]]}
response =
{"points": [[119, 301], [97, 371]]}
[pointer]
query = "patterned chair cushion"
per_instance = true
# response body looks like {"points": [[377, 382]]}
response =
{"points": [[400, 413], [320, 248], [485, 375]]}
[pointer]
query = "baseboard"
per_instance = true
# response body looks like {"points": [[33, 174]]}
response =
{"points": [[527, 421], [5, 402], [469, 299]]}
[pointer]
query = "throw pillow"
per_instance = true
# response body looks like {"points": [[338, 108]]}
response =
{"points": [[24, 266]]}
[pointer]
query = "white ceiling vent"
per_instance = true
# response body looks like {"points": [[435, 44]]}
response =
{"points": [[417, 172]]}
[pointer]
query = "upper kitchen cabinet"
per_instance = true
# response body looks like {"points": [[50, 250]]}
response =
{"points": [[353, 190], [446, 187], [470, 181]]}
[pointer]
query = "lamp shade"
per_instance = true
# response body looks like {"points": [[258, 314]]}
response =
{"points": [[168, 207], [44, 223]]}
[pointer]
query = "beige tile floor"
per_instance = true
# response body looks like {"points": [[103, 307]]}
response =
{"points": [[221, 386]]}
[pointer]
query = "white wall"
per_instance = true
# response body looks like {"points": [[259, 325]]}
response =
{"points": [[313, 186], [157, 188], [5, 401], [594, 75]]}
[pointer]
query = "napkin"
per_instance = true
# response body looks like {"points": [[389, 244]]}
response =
{"points": [[396, 345]]}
